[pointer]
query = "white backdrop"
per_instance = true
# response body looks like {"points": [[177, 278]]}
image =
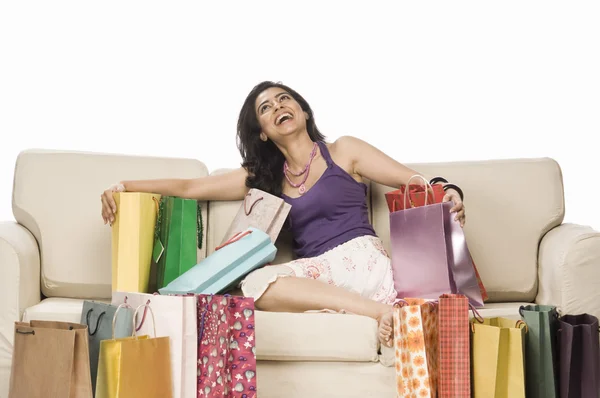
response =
{"points": [[424, 81]]}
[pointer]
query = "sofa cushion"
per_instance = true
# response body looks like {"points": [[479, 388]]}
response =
{"points": [[56, 196], [315, 336], [510, 205]]}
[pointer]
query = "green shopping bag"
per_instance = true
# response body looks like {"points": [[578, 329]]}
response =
{"points": [[540, 354], [178, 238]]}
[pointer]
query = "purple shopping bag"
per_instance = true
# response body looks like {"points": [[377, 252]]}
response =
{"points": [[579, 351], [429, 254]]}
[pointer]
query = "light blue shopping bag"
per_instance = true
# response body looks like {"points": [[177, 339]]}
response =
{"points": [[227, 265]]}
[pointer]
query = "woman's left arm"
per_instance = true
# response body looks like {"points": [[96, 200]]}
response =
{"points": [[373, 164]]}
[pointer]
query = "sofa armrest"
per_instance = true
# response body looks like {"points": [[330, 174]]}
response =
{"points": [[20, 270], [569, 269]]}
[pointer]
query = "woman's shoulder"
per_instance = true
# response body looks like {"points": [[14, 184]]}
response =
{"points": [[346, 146]]}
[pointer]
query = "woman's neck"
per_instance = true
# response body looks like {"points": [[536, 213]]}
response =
{"points": [[297, 151]]}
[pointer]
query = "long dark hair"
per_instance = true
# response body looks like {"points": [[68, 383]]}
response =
{"points": [[263, 160]]}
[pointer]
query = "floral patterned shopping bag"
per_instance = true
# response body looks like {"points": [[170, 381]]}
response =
{"points": [[415, 341], [226, 347]]}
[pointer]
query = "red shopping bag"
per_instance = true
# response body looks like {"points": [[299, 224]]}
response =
{"points": [[226, 347], [454, 354], [416, 197]]}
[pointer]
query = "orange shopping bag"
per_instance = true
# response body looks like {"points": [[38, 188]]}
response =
{"points": [[415, 342]]}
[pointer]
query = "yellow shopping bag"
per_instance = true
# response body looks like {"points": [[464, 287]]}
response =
{"points": [[133, 240], [136, 366], [415, 342], [498, 352]]}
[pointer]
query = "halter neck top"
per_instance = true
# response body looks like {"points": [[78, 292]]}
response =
{"points": [[333, 211]]}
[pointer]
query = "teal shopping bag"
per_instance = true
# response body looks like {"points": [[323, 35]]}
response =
{"points": [[541, 350], [227, 265], [98, 317]]}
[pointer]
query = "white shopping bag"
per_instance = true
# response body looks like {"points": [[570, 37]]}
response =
{"points": [[176, 317]]}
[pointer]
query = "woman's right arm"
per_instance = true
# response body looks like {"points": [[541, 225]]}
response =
{"points": [[227, 186]]}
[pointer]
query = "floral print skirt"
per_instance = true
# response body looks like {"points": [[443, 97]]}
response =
{"points": [[360, 265]]}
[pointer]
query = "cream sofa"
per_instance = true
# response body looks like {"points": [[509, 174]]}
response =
{"points": [[58, 253]]}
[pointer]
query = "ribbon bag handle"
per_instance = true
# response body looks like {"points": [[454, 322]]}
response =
{"points": [[246, 210], [146, 306], [234, 238]]}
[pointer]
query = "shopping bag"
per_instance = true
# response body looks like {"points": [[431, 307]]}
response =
{"points": [[540, 350], [454, 357], [579, 356], [135, 366], [415, 342], [227, 265], [429, 254], [418, 196], [98, 317], [262, 211], [177, 238], [176, 318], [226, 352], [132, 240], [50, 359], [498, 350]]}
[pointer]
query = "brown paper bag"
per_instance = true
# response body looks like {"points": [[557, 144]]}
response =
{"points": [[50, 359], [259, 210]]}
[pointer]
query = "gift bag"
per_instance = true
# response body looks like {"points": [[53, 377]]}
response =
{"points": [[98, 317], [132, 240], [579, 356], [429, 254], [176, 318], [417, 196], [226, 353], [135, 366], [262, 211], [227, 265], [177, 238], [415, 342], [454, 357], [50, 359], [540, 350], [498, 351]]}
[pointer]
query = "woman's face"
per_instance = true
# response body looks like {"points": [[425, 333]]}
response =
{"points": [[278, 114]]}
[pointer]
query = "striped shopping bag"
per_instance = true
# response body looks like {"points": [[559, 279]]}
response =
{"points": [[454, 362]]}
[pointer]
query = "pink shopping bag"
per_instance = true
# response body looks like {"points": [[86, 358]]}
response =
{"points": [[226, 347], [430, 256]]}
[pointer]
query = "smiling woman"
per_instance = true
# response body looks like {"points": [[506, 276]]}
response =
{"points": [[341, 264]]}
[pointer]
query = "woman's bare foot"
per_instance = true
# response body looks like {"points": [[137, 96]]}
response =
{"points": [[386, 328]]}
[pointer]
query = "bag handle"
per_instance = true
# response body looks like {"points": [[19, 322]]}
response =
{"points": [[146, 306], [233, 239], [157, 205], [427, 185], [114, 320], [87, 321], [252, 205], [143, 316]]}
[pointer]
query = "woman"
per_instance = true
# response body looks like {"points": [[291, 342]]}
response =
{"points": [[284, 154]]}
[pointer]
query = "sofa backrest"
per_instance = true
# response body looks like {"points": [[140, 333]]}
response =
{"points": [[510, 205], [56, 195]]}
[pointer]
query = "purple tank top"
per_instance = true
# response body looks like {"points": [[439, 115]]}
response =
{"points": [[330, 213]]}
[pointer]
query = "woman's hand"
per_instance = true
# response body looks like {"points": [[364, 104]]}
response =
{"points": [[109, 207], [458, 208]]}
